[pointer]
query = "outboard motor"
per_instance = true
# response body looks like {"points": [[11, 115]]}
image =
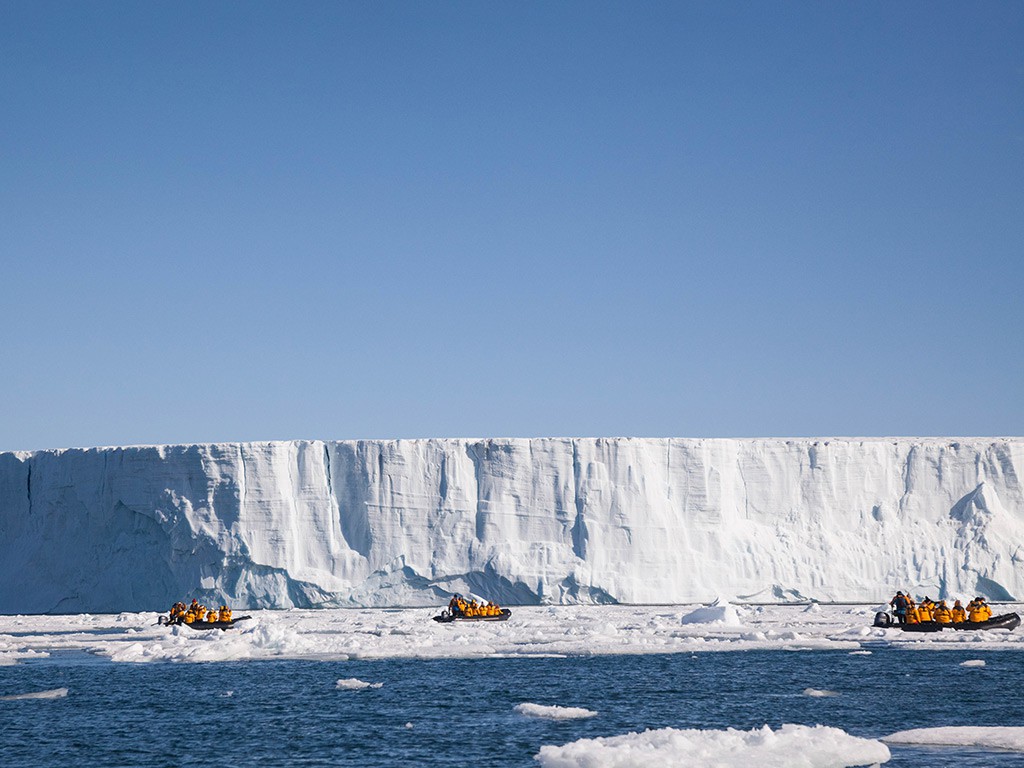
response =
{"points": [[883, 619]]}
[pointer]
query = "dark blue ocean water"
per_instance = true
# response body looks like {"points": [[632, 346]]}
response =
{"points": [[289, 713]]}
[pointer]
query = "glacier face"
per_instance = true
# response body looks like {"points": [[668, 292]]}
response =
{"points": [[406, 522]]}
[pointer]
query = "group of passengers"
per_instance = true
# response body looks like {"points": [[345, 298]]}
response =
{"points": [[190, 614], [928, 611], [470, 609]]}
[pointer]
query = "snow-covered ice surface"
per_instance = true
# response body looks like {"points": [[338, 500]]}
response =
{"points": [[791, 746], [553, 712], [531, 631], [994, 737], [522, 521]]}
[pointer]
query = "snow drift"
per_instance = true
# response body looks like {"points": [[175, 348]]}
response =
{"points": [[377, 523]]}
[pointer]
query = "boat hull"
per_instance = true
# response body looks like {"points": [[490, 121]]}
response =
{"points": [[447, 617], [1008, 621], [204, 624]]}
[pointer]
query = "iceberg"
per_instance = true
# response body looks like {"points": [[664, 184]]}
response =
{"points": [[377, 523]]}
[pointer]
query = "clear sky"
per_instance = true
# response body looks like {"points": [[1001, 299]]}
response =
{"points": [[247, 221]]}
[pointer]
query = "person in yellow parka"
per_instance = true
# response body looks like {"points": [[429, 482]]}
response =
{"points": [[942, 614], [978, 610], [911, 611], [924, 611], [957, 613]]}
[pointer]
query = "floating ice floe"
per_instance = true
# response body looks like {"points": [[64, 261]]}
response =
{"points": [[792, 746], [995, 737], [972, 663], [553, 712], [54, 693], [817, 693], [355, 684]]}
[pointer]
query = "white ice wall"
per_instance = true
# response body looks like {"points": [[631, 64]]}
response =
{"points": [[310, 523]]}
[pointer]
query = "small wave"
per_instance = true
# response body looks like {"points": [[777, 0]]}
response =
{"points": [[55, 693], [553, 712]]}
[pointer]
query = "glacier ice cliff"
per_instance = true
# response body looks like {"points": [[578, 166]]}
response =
{"points": [[406, 522]]}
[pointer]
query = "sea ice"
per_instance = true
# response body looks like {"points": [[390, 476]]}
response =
{"points": [[55, 693], [817, 693], [993, 737], [721, 611], [355, 684], [553, 712], [792, 746], [973, 663], [368, 634]]}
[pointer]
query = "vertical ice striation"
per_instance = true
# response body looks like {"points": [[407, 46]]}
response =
{"points": [[310, 523]]}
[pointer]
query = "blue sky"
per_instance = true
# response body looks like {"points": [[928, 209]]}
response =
{"points": [[247, 221]]}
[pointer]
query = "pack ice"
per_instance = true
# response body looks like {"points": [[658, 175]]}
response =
{"points": [[559, 520]]}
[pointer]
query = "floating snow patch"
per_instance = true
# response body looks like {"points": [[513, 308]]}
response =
{"points": [[355, 684], [997, 737], [55, 693], [860, 653], [792, 746], [719, 612], [553, 712], [972, 663], [818, 694]]}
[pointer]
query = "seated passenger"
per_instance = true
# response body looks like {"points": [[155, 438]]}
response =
{"points": [[977, 611], [924, 611], [912, 617], [942, 613], [957, 613], [986, 609]]}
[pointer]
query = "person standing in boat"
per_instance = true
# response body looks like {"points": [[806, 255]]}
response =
{"points": [[899, 605]]}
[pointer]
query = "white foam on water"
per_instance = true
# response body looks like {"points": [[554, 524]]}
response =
{"points": [[553, 712], [791, 746], [355, 684], [54, 693], [985, 737]]}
